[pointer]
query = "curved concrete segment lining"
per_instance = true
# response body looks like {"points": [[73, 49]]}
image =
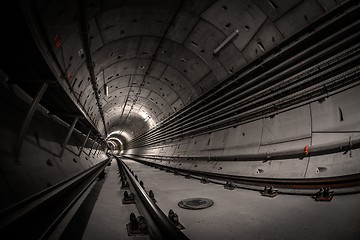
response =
{"points": [[192, 80], [155, 62]]}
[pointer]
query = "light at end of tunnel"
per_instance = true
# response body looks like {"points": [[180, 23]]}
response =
{"points": [[115, 145], [147, 118], [114, 139], [113, 133], [122, 133]]}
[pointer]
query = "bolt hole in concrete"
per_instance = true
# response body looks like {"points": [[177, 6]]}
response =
{"points": [[195, 203]]}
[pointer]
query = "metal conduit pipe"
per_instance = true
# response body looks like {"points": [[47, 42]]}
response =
{"points": [[297, 77], [253, 99], [164, 125], [251, 116], [274, 82], [273, 108], [237, 122], [264, 102], [314, 29], [239, 95], [257, 82], [294, 154]]}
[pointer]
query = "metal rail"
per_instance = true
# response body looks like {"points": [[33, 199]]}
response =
{"points": [[37, 216], [165, 228], [349, 184]]}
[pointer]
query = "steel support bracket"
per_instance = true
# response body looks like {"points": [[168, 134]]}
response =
{"points": [[27, 120], [92, 146], [71, 129], [84, 143]]}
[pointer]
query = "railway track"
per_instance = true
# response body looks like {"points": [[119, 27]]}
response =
{"points": [[342, 185], [233, 208], [160, 226], [38, 216]]}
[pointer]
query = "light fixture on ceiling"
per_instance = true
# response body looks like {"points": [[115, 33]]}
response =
{"points": [[226, 41], [106, 87]]}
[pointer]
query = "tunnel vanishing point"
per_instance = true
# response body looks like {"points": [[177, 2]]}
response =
{"points": [[255, 92]]}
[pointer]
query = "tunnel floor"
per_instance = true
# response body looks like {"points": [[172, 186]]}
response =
{"points": [[244, 214], [109, 216], [235, 214]]}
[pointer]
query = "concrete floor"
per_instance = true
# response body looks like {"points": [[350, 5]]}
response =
{"points": [[243, 214], [109, 217]]}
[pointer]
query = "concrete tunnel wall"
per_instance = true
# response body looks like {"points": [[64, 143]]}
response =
{"points": [[336, 119], [125, 36], [39, 166]]}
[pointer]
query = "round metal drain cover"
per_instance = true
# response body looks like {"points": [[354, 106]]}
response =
{"points": [[196, 203]]}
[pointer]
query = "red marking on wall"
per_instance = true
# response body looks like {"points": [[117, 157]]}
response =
{"points": [[306, 150], [70, 76], [57, 41]]}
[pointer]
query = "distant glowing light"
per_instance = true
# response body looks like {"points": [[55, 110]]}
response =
{"points": [[113, 139], [113, 133]]}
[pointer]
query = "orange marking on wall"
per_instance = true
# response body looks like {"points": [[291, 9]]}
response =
{"points": [[57, 41], [306, 150]]}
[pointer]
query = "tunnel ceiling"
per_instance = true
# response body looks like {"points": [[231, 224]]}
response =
{"points": [[153, 58]]}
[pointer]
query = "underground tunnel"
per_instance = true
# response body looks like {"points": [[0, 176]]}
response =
{"points": [[180, 119]]}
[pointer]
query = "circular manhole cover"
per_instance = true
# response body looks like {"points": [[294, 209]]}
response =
{"points": [[196, 203]]}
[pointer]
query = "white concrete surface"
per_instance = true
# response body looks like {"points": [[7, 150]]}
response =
{"points": [[243, 214]]}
